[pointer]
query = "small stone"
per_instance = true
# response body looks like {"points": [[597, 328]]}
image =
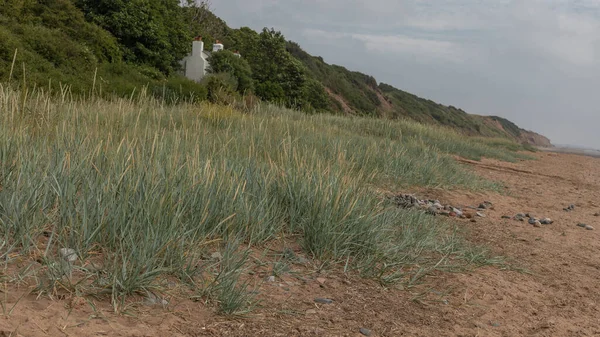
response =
{"points": [[537, 224], [505, 217], [572, 207], [68, 254], [365, 332], [520, 215], [457, 211], [589, 228], [438, 205], [483, 206], [152, 299], [546, 221], [473, 220], [323, 300], [216, 256], [301, 260], [271, 278], [481, 215], [531, 221], [581, 225], [321, 280], [528, 215], [311, 312], [432, 210]]}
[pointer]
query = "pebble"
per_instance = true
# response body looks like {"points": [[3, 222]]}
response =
{"points": [[438, 205], [532, 221], [432, 210], [505, 217], [582, 225], [301, 260], [546, 221], [321, 280], [68, 254], [483, 206], [457, 211], [537, 224], [365, 332], [152, 299], [323, 300], [271, 278], [481, 215], [589, 228]]}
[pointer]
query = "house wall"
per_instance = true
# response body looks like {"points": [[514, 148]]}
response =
{"points": [[195, 65]]}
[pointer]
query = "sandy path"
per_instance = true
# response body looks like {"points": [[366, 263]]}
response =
{"points": [[558, 297]]}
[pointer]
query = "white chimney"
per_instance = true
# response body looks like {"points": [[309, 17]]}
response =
{"points": [[217, 46], [197, 47]]}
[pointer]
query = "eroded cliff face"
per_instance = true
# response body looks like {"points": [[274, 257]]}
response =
{"points": [[534, 139]]}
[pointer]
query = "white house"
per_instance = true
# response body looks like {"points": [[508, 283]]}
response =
{"points": [[196, 64]]}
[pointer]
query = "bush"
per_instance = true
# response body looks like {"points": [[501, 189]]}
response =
{"points": [[176, 89], [150, 32], [221, 88], [226, 62]]}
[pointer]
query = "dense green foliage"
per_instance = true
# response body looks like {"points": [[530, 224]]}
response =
{"points": [[56, 47], [150, 32], [227, 62]]}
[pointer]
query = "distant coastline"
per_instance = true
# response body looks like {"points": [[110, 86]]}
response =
{"points": [[572, 150]]}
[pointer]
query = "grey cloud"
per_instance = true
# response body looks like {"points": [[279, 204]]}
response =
{"points": [[534, 62]]}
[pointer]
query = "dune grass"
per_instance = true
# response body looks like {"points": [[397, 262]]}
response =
{"points": [[142, 190]]}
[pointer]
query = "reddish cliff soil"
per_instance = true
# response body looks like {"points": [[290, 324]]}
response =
{"points": [[551, 288]]}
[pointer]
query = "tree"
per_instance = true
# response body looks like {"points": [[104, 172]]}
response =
{"points": [[150, 32], [227, 62], [315, 95], [201, 21], [277, 75]]}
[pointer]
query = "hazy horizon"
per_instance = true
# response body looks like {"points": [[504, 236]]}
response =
{"points": [[533, 62]]}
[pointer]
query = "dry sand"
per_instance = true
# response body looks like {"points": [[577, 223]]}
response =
{"points": [[559, 296]]}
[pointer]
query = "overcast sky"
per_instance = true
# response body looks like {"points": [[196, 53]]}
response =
{"points": [[534, 62]]}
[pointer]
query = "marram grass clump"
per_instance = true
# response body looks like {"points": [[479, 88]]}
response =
{"points": [[140, 189]]}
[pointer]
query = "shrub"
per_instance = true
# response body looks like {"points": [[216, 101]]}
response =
{"points": [[226, 62], [221, 88]]}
